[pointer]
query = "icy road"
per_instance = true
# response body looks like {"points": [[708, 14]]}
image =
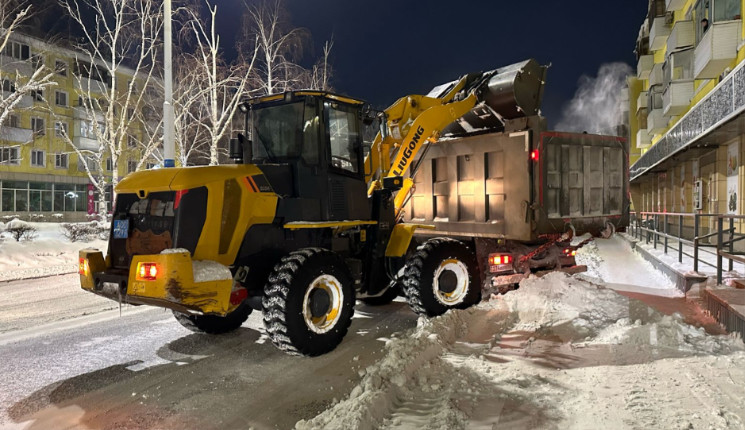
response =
{"points": [[560, 352]]}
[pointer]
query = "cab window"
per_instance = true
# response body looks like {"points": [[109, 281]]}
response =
{"points": [[344, 137]]}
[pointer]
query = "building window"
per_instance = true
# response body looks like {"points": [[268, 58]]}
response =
{"points": [[38, 158], [84, 161], [60, 98], [61, 161], [37, 95], [131, 141], [17, 50], [60, 129], [37, 125], [150, 165], [9, 86], [131, 166], [10, 155], [109, 165], [13, 120], [60, 67]]}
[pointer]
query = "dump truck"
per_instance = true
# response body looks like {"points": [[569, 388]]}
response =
{"points": [[519, 196], [313, 217]]}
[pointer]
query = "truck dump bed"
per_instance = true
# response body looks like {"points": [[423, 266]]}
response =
{"points": [[521, 185]]}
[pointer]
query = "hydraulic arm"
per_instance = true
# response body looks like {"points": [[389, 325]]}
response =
{"points": [[415, 121]]}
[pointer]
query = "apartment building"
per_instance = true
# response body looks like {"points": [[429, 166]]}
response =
{"points": [[687, 108], [41, 176]]}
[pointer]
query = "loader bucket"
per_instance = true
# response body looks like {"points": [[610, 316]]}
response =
{"points": [[507, 93]]}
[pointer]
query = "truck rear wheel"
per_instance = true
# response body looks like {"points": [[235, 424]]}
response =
{"points": [[441, 275], [214, 324], [308, 302]]}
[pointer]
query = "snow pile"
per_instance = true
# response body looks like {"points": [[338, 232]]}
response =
{"points": [[175, 251], [613, 261], [50, 253], [208, 270], [502, 361], [204, 270], [579, 311]]}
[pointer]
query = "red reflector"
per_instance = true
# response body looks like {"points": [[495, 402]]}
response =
{"points": [[83, 267], [534, 155], [237, 296], [147, 271], [177, 199]]}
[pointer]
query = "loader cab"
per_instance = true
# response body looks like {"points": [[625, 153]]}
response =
{"points": [[309, 147]]}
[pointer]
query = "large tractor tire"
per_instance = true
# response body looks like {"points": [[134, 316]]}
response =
{"points": [[308, 302], [390, 294], [214, 324], [441, 275]]}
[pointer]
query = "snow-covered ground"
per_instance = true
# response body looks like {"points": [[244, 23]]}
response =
{"points": [[50, 253], [559, 352]]}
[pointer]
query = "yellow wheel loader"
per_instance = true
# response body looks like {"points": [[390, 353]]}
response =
{"points": [[309, 219]]}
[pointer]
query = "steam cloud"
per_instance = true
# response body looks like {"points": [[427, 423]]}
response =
{"points": [[596, 106]]}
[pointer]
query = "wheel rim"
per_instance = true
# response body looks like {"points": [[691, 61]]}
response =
{"points": [[324, 292], [450, 284]]}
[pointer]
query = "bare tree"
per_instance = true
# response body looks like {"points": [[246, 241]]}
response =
{"points": [[220, 86], [320, 74], [12, 16], [121, 38], [278, 44]]}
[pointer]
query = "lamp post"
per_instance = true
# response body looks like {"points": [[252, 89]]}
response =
{"points": [[168, 144]]}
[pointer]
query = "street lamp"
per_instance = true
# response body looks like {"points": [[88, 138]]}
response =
{"points": [[168, 145]]}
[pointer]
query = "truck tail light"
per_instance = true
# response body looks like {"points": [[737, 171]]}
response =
{"points": [[497, 259], [147, 271], [534, 155], [83, 268]]}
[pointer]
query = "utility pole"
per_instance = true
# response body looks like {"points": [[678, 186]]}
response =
{"points": [[168, 144]]}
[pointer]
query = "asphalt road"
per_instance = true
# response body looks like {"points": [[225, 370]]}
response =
{"points": [[144, 370]]}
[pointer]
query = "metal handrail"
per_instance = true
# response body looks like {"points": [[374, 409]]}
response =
{"points": [[730, 253], [646, 226]]}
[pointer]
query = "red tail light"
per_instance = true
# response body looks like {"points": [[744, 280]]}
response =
{"points": [[534, 155], [569, 252], [500, 259], [147, 271], [83, 267]]}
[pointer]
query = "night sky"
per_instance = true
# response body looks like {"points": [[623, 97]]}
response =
{"points": [[384, 49]]}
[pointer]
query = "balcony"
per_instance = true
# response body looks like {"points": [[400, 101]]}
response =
{"points": [[644, 67], [671, 5], [717, 49], [643, 140], [86, 143], [655, 76], [82, 113], [659, 33], [677, 97], [26, 100], [11, 66], [656, 122], [89, 85], [641, 101], [16, 134], [683, 35]]}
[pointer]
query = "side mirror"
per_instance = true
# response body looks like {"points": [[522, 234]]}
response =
{"points": [[236, 148]]}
